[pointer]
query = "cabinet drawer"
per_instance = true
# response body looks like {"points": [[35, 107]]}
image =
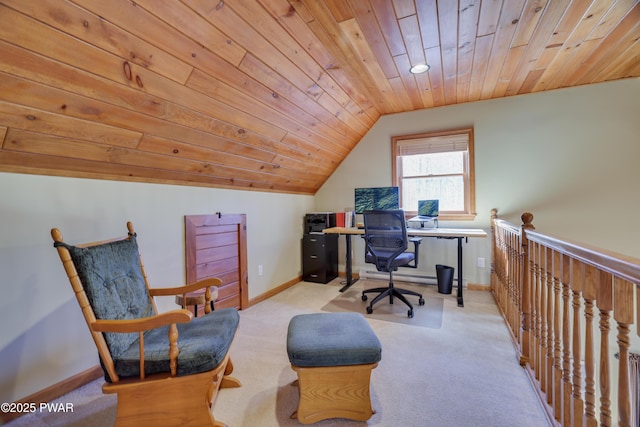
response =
{"points": [[319, 257]]}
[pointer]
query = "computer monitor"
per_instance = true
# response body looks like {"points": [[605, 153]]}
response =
{"points": [[428, 208], [376, 198]]}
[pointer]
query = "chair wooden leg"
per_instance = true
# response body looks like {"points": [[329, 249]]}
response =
{"points": [[227, 380]]}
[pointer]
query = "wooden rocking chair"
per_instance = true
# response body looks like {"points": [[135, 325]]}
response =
{"points": [[165, 368]]}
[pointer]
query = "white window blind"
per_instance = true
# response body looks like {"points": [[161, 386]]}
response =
{"points": [[434, 144]]}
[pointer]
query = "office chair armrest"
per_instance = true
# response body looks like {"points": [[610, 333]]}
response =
{"points": [[416, 250]]}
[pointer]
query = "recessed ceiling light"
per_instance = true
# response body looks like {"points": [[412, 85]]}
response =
{"points": [[419, 68]]}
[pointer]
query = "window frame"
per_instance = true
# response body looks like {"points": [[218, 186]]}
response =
{"points": [[469, 212]]}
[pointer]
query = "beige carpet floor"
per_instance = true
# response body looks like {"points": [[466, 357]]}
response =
{"points": [[454, 367], [427, 316]]}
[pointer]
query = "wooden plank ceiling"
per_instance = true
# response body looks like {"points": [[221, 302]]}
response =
{"points": [[272, 94]]}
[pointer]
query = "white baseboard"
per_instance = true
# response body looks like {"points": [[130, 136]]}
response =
{"points": [[401, 276]]}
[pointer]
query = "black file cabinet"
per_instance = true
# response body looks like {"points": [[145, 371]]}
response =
{"points": [[319, 257]]}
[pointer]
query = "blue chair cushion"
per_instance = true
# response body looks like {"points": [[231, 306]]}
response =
{"points": [[402, 259], [202, 344], [331, 339], [112, 279]]}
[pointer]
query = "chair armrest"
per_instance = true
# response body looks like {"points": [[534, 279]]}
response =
{"points": [[416, 250], [169, 318], [178, 290], [142, 324]]}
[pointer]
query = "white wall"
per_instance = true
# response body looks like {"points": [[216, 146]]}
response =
{"points": [[569, 156], [43, 337]]}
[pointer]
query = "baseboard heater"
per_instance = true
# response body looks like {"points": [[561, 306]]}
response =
{"points": [[400, 276]]}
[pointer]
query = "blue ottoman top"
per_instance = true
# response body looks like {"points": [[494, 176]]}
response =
{"points": [[332, 339]]}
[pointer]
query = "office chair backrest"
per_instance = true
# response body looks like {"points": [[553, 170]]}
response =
{"points": [[385, 235]]}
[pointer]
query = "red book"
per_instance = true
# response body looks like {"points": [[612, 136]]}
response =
{"points": [[339, 219]]}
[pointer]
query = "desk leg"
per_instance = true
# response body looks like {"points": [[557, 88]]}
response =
{"points": [[350, 280], [460, 298]]}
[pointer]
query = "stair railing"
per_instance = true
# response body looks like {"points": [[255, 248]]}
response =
{"points": [[561, 301]]}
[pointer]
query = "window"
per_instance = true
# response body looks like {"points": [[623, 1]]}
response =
{"points": [[436, 166]]}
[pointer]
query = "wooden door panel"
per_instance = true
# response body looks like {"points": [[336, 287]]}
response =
{"points": [[218, 269], [214, 239], [229, 276], [216, 246], [216, 254], [227, 292], [233, 302]]}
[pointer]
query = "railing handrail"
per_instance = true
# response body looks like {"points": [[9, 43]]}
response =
{"points": [[506, 224], [619, 265]]}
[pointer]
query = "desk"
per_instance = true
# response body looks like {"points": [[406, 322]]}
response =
{"points": [[439, 233]]}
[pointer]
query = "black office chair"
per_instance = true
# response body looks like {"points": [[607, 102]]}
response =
{"points": [[386, 240]]}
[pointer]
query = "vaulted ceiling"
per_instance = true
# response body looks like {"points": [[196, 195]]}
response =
{"points": [[272, 94]]}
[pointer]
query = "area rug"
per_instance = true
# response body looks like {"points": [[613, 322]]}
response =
{"points": [[428, 315]]}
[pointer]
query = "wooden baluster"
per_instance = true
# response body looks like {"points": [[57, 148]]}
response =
{"points": [[539, 339], [517, 287], [566, 341], [494, 252], [557, 334], [604, 301], [509, 277], [577, 404], [513, 267], [526, 272], [544, 316], [497, 265], [502, 274], [550, 326], [505, 295], [505, 273], [634, 360], [550, 331], [503, 263], [542, 324], [623, 314], [505, 276], [590, 284], [533, 301]]}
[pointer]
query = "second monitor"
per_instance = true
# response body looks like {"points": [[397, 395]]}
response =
{"points": [[376, 198], [428, 210]]}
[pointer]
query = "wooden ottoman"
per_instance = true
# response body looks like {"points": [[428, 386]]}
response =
{"points": [[333, 355]]}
